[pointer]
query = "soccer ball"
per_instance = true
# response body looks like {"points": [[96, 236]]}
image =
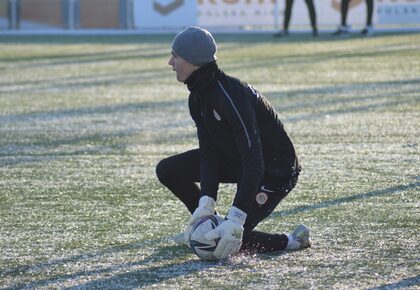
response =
{"points": [[202, 247]]}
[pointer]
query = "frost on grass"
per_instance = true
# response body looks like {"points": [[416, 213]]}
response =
{"points": [[84, 125]]}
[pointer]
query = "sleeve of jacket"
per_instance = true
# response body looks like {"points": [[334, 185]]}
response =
{"points": [[238, 107], [209, 160]]}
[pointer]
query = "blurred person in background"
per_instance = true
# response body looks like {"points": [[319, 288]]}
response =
{"points": [[288, 14], [344, 29]]}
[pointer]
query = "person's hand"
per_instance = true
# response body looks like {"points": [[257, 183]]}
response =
{"points": [[230, 233], [183, 238], [206, 206]]}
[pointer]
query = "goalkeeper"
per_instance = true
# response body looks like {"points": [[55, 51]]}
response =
{"points": [[241, 140]]}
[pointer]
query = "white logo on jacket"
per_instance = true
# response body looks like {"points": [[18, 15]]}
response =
{"points": [[217, 116]]}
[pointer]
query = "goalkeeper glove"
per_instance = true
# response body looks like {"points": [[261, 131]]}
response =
{"points": [[183, 238], [206, 206], [230, 233]]}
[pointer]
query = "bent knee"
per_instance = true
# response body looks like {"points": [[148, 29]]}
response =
{"points": [[162, 170]]}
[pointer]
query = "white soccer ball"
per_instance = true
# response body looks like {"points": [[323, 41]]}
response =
{"points": [[202, 247]]}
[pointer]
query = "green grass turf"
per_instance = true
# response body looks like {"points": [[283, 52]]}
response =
{"points": [[85, 119]]}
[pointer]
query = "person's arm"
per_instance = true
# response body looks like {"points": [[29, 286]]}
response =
{"points": [[209, 159], [209, 163], [239, 112]]}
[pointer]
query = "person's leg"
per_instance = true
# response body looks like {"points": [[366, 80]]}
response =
{"points": [[260, 242], [343, 29], [179, 174], [344, 11], [312, 16], [286, 20], [265, 202], [287, 15], [368, 30], [369, 4]]}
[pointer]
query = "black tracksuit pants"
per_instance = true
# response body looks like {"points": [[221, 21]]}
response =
{"points": [[181, 172], [288, 13], [345, 10]]}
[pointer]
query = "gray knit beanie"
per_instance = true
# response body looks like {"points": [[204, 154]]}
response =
{"points": [[196, 45]]}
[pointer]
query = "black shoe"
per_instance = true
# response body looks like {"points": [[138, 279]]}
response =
{"points": [[342, 30], [367, 31], [283, 33]]}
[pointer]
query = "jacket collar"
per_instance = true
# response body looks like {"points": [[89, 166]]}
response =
{"points": [[202, 78]]}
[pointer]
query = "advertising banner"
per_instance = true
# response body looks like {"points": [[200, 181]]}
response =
{"points": [[398, 12], [267, 13], [164, 13], [236, 13]]}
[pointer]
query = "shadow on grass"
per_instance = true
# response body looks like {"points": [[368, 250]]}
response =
{"points": [[345, 105], [267, 37], [136, 274], [339, 201], [82, 39], [403, 284], [87, 111], [139, 273], [311, 95], [342, 105], [145, 52], [269, 61], [145, 271], [66, 84], [353, 109], [273, 96], [248, 37], [43, 147], [87, 144], [149, 276]]}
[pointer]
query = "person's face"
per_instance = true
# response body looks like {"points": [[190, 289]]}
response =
{"points": [[182, 67]]}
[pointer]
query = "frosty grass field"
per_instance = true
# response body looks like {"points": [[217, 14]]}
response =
{"points": [[85, 119]]}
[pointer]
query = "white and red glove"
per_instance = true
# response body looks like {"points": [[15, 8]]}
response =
{"points": [[230, 233]]}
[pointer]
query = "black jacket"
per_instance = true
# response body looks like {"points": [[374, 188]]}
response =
{"points": [[236, 124]]}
